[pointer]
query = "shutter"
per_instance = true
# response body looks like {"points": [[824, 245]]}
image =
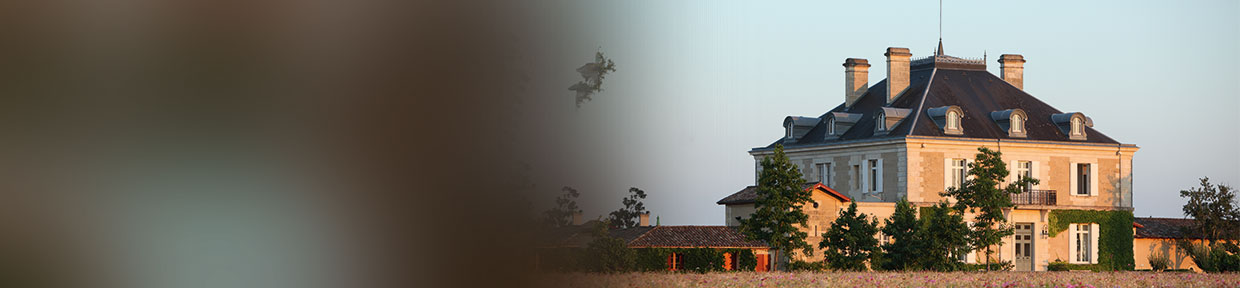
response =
{"points": [[1072, 243], [966, 169], [1036, 175], [947, 173], [669, 262], [1072, 175], [1093, 179], [879, 175], [1093, 243], [1011, 178]]}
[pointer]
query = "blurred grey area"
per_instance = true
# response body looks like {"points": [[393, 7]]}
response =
{"points": [[254, 144]]}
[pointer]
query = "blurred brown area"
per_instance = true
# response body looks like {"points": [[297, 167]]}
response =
{"points": [[259, 144]]}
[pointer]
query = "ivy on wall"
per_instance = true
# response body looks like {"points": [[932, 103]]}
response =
{"points": [[1114, 239], [699, 260]]}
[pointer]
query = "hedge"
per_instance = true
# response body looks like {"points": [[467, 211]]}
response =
{"points": [[699, 260], [1114, 239]]}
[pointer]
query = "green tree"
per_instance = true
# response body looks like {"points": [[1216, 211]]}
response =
{"points": [[943, 236], [982, 195], [901, 252], [628, 216], [850, 242], [778, 207], [1213, 210], [562, 214], [610, 254]]}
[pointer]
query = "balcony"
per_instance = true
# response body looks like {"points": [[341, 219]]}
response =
{"points": [[1034, 197]]}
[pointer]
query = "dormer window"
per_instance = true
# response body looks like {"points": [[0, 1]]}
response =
{"points": [[788, 131], [1011, 120], [948, 118], [831, 126], [1072, 125]]}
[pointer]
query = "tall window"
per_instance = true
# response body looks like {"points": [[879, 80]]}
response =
{"points": [[1024, 169], [788, 132], [959, 172], [1082, 179], [1077, 124], [874, 170], [857, 177], [1083, 240], [1018, 123], [675, 262], [831, 126], [953, 120], [824, 174]]}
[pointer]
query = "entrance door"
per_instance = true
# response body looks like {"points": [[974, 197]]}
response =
{"points": [[1024, 247]]}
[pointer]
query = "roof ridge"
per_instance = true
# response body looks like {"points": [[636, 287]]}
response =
{"points": [[924, 93]]}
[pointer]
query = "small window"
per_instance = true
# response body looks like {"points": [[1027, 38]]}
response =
{"points": [[874, 170], [1024, 169], [856, 177], [831, 126], [815, 206], [1082, 179], [788, 132], [1077, 126], [953, 120], [1018, 123], [675, 262], [960, 172], [881, 121], [824, 174]]}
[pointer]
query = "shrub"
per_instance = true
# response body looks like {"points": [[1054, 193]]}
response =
{"points": [[1159, 262], [994, 266], [802, 266]]}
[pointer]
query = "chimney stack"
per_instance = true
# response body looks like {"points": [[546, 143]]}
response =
{"points": [[897, 72], [577, 218], [856, 80], [1012, 69], [643, 220]]}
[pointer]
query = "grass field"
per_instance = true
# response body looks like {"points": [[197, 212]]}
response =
{"points": [[896, 279]]}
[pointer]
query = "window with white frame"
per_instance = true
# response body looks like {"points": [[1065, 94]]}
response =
{"points": [[831, 126], [824, 174], [1077, 126], [1024, 169], [959, 172], [953, 120], [788, 132], [1083, 243], [1018, 123], [881, 121]]}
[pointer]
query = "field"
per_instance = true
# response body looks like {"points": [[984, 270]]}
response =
{"points": [[896, 279]]}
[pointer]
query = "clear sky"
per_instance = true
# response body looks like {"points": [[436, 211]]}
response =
{"points": [[702, 82]]}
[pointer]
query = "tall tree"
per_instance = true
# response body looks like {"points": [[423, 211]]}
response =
{"points": [[565, 205], [628, 216], [778, 207], [609, 254], [943, 236], [1214, 210], [850, 242], [901, 252], [981, 194]]}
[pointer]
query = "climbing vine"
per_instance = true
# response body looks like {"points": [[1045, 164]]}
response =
{"points": [[1114, 239]]}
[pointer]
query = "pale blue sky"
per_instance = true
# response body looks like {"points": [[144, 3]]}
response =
{"points": [[702, 82]]}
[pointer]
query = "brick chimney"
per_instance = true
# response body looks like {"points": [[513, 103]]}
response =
{"points": [[1012, 69], [643, 220], [856, 80], [577, 218], [897, 72]]}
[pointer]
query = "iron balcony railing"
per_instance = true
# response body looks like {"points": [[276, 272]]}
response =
{"points": [[1034, 197]]}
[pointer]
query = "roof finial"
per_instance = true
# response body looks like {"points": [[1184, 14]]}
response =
{"points": [[940, 51]]}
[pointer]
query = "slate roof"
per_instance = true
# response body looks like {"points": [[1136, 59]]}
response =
{"points": [[695, 236], [750, 195], [976, 92], [1169, 228]]}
